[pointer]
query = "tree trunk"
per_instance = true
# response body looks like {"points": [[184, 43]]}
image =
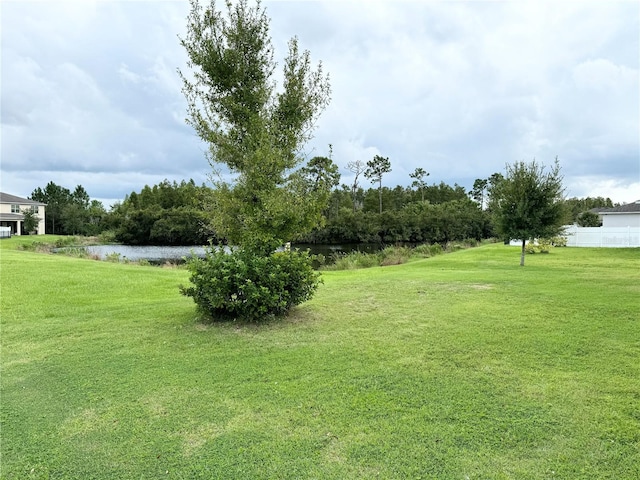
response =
{"points": [[522, 254], [380, 194]]}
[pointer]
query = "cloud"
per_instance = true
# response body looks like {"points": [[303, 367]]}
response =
{"points": [[91, 95]]}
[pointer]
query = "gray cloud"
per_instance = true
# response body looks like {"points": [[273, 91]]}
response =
{"points": [[90, 93]]}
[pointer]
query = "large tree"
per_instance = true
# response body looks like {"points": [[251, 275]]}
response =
{"points": [[57, 198], [376, 168], [255, 131], [528, 202]]}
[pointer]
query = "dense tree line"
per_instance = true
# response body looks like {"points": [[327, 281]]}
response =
{"points": [[579, 210], [173, 213], [70, 213], [445, 214], [165, 214]]}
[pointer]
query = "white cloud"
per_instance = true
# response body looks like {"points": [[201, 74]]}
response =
{"points": [[618, 191]]}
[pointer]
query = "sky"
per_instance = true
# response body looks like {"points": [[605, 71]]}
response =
{"points": [[90, 93]]}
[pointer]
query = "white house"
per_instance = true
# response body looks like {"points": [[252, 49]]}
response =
{"points": [[11, 213], [623, 216], [620, 228]]}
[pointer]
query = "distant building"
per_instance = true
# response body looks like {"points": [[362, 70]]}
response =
{"points": [[623, 216], [11, 216]]}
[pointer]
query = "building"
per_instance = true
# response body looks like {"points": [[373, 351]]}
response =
{"points": [[623, 216], [12, 216]]}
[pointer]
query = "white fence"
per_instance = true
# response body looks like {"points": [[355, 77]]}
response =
{"points": [[610, 237]]}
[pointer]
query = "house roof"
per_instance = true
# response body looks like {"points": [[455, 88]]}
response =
{"points": [[8, 198], [633, 207]]}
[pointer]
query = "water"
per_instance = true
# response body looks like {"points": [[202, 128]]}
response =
{"points": [[158, 254], [153, 254]]}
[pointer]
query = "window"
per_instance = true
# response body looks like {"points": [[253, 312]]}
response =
{"points": [[15, 208], [34, 209]]}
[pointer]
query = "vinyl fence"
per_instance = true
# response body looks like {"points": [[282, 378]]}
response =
{"points": [[610, 237]]}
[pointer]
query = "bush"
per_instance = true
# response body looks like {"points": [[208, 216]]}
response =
{"points": [[106, 237], [66, 241], [239, 285], [352, 261], [394, 255], [112, 257], [425, 250], [542, 245], [36, 246], [471, 242]]}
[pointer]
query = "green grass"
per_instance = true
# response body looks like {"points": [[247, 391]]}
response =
{"points": [[458, 366]]}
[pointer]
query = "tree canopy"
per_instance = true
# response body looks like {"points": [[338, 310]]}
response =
{"points": [[69, 212]]}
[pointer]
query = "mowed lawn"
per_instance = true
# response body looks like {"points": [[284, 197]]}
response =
{"points": [[461, 366]]}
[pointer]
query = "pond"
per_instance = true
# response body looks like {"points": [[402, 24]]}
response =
{"points": [[153, 254], [160, 254]]}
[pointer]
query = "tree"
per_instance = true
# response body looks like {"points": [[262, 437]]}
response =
{"points": [[479, 189], [74, 217], [322, 174], [357, 167], [30, 222], [419, 176], [376, 168], [81, 197], [588, 219], [256, 133], [528, 202], [96, 215], [56, 198], [252, 129]]}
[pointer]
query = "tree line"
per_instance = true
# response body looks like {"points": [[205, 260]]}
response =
{"points": [[172, 213], [70, 212]]}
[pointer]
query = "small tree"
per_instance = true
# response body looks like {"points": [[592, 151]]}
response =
{"points": [[589, 219], [376, 168], [256, 132], [528, 202], [31, 220], [419, 176]]}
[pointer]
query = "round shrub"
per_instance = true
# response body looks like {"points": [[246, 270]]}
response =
{"points": [[241, 285]]}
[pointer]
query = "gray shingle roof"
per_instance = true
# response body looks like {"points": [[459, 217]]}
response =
{"points": [[633, 207], [8, 198]]}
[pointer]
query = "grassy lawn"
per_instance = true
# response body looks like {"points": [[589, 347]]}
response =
{"points": [[459, 366]]}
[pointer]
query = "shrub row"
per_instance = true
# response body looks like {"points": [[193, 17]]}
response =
{"points": [[394, 255]]}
